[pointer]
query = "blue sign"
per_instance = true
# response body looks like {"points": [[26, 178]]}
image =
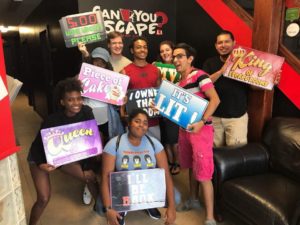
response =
{"points": [[178, 105]]}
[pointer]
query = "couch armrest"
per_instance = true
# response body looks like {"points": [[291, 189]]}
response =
{"points": [[231, 162]]}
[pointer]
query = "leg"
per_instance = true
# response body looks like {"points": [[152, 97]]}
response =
{"points": [[194, 186], [176, 166], [42, 185], [208, 196], [219, 132], [169, 153], [75, 170]]}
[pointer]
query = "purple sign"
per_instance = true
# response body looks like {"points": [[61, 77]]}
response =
{"points": [[138, 189], [102, 84], [72, 142]]}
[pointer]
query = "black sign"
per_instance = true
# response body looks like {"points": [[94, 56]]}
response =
{"points": [[142, 98], [84, 27], [138, 189]]}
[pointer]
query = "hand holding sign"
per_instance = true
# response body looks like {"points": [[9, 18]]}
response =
{"points": [[253, 67], [47, 167], [180, 106]]}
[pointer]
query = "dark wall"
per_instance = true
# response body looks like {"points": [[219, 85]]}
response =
{"points": [[144, 6], [195, 27], [283, 107], [45, 59], [11, 48]]}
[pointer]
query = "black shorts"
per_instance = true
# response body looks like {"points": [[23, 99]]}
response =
{"points": [[169, 131]]}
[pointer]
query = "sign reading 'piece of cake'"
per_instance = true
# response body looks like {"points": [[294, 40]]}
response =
{"points": [[102, 84], [253, 67]]}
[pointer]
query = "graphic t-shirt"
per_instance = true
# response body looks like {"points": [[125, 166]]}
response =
{"points": [[130, 157], [168, 72]]}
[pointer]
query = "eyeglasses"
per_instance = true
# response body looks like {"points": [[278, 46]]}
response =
{"points": [[178, 56]]}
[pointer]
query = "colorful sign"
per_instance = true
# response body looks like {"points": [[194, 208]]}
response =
{"points": [[292, 14], [253, 67], [102, 84], [135, 22], [83, 27], [137, 189], [168, 72], [72, 142], [141, 98], [178, 105]]}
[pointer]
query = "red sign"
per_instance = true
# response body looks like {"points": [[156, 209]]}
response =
{"points": [[7, 140], [253, 67]]}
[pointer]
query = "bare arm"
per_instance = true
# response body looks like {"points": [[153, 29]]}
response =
{"points": [[108, 166], [82, 48], [161, 160]]}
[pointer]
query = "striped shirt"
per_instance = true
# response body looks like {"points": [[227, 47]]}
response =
{"points": [[197, 82]]}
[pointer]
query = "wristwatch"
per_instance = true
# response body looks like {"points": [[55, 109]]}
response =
{"points": [[105, 209], [204, 121]]}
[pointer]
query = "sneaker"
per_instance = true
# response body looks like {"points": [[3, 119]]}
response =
{"points": [[188, 205], [86, 196], [122, 220], [210, 222], [154, 213]]}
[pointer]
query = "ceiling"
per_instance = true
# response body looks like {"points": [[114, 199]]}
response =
{"points": [[14, 12]]}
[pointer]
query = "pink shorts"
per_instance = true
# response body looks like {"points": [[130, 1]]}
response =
{"points": [[196, 152]]}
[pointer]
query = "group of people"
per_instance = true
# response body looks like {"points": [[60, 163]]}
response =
{"points": [[180, 149]]}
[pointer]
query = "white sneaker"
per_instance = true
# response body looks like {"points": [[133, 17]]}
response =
{"points": [[188, 205], [86, 196]]}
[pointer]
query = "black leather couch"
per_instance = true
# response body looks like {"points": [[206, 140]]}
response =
{"points": [[259, 183]]}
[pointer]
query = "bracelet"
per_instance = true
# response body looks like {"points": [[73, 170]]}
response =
{"points": [[105, 209], [204, 121]]}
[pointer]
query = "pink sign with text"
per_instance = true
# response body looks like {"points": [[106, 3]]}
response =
{"points": [[102, 84], [253, 67]]}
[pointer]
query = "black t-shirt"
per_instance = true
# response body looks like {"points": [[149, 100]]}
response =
{"points": [[37, 153], [233, 94]]}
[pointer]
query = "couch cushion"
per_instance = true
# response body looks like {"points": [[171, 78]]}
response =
{"points": [[262, 199], [282, 137]]}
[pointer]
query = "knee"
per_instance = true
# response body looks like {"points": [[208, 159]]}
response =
{"points": [[42, 201]]}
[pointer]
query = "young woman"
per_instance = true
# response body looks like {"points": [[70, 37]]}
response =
{"points": [[169, 130], [69, 95], [132, 144], [106, 115]]}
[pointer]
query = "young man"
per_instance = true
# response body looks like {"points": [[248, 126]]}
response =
{"points": [[115, 45], [142, 75], [196, 143], [230, 120]]}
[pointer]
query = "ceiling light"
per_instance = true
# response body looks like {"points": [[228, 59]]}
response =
{"points": [[3, 29]]}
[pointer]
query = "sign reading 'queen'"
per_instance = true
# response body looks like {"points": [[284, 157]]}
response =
{"points": [[71, 143]]}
